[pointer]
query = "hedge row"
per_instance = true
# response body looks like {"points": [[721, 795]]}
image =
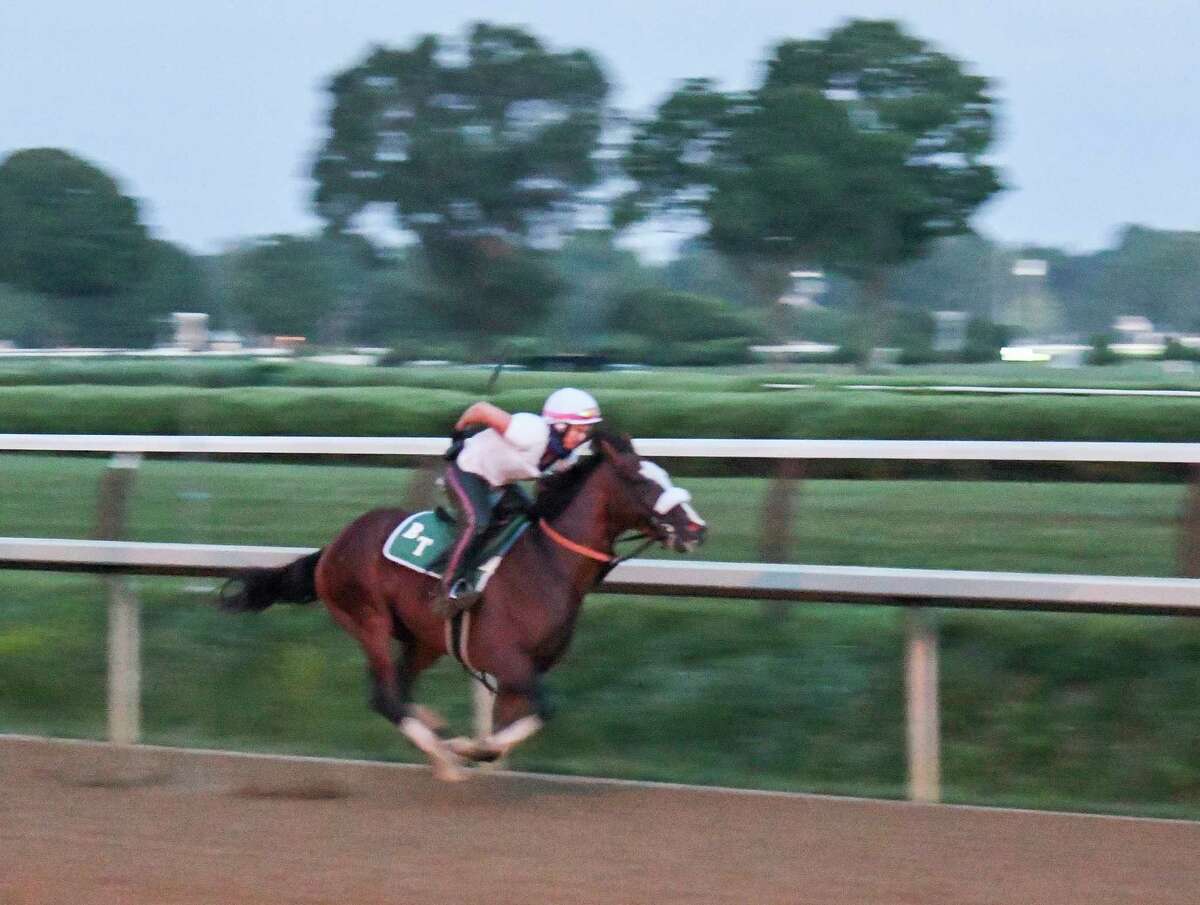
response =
{"points": [[405, 411], [226, 374], [242, 411], [217, 374]]}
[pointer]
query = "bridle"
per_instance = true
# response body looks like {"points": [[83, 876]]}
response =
{"points": [[609, 561], [670, 497], [568, 544]]}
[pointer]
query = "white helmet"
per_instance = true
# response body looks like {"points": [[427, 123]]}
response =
{"points": [[571, 406]]}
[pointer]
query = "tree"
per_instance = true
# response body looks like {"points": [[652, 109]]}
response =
{"points": [[65, 228], [1072, 280], [960, 273], [855, 153], [26, 318], [283, 284], [704, 271], [396, 302], [682, 328], [173, 281], [478, 157], [594, 272], [1155, 273], [489, 289]]}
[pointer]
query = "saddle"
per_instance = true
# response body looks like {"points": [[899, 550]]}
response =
{"points": [[422, 542]]}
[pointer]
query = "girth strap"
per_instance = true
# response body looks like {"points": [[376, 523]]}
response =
{"points": [[458, 632]]}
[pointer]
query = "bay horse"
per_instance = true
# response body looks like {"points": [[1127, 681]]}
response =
{"points": [[525, 620]]}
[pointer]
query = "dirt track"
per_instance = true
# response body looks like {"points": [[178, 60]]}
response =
{"points": [[81, 823]]}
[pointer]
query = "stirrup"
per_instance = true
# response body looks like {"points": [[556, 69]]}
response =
{"points": [[461, 590], [460, 596]]}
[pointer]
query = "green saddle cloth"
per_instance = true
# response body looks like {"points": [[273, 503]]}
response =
{"points": [[422, 543]]}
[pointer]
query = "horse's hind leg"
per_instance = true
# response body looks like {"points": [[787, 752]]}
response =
{"points": [[414, 659], [389, 692]]}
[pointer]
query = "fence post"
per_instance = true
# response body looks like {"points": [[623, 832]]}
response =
{"points": [[422, 486], [1189, 528], [921, 675], [124, 610], [777, 541], [124, 663]]}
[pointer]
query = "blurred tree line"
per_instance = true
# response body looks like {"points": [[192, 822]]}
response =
{"points": [[512, 185]]}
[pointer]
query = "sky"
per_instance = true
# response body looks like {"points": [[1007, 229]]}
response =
{"points": [[210, 112]]}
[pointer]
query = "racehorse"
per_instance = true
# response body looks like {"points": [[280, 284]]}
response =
{"points": [[525, 620]]}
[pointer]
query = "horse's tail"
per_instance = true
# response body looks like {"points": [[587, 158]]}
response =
{"points": [[256, 589]]}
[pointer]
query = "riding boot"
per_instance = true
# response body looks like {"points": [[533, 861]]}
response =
{"points": [[469, 493], [456, 593]]}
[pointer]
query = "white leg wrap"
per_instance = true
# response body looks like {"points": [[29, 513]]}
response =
{"points": [[447, 766], [514, 733], [423, 737]]}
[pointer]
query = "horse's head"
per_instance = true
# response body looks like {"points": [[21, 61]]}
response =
{"points": [[647, 500]]}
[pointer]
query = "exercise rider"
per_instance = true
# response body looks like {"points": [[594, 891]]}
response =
{"points": [[511, 448]]}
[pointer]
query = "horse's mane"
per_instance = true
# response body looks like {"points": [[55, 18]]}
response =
{"points": [[556, 491]]}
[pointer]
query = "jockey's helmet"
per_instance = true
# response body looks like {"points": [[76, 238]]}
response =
{"points": [[571, 406]]}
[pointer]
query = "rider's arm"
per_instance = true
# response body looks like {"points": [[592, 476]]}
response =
{"points": [[486, 414]]}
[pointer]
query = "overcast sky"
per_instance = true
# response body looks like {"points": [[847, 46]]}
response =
{"points": [[209, 112]]}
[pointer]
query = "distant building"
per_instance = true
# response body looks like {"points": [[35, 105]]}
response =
{"points": [[806, 286], [1030, 267], [950, 331], [225, 341], [1132, 325], [1137, 337], [1031, 307], [189, 331]]}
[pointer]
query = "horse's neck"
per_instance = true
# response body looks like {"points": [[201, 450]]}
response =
{"points": [[586, 521]]}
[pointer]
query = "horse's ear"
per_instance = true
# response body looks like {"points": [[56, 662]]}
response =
{"points": [[607, 449], [615, 444], [619, 453]]}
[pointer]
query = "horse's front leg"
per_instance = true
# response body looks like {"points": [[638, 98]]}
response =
{"points": [[520, 711], [391, 689]]}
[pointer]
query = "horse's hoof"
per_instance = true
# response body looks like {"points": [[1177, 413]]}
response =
{"points": [[473, 750], [445, 771], [463, 746]]}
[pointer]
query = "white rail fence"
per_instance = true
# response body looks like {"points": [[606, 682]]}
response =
{"points": [[903, 450], [917, 589]]}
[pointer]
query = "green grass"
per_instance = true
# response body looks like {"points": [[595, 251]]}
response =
{"points": [[1055, 711], [1040, 710], [1044, 527]]}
